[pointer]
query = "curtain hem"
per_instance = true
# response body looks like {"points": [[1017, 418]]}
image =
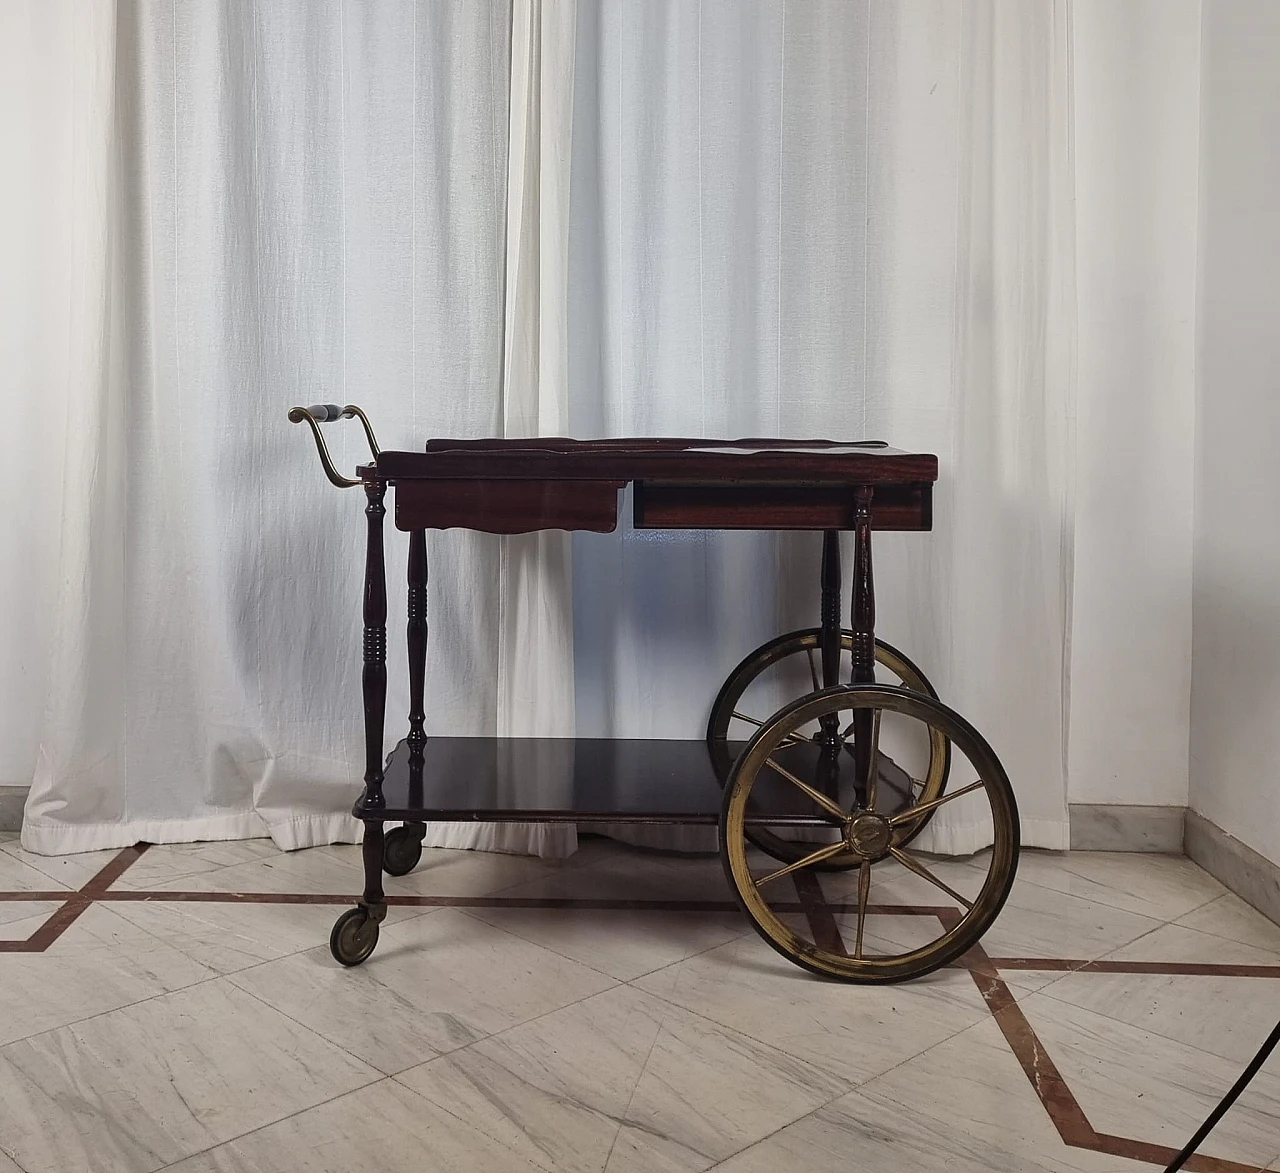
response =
{"points": [[71, 839]]}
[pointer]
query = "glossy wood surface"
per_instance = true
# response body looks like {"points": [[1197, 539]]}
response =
{"points": [[709, 461], [518, 486], [584, 780], [664, 505], [507, 506]]}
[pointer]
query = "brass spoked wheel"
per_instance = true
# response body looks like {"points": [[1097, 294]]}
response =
{"points": [[896, 913], [787, 668]]}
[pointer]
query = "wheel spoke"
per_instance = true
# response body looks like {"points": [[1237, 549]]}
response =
{"points": [[791, 738], [864, 889], [912, 812], [924, 873], [813, 670], [808, 861], [821, 799], [873, 763]]}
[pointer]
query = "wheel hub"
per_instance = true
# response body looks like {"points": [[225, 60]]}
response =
{"points": [[868, 835]]}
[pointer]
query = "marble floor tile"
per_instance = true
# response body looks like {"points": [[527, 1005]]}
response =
{"points": [[623, 1081], [233, 936], [18, 873], [436, 982], [1226, 1016], [852, 1032], [975, 1091], [859, 1133], [60, 871], [1131, 1082], [1037, 922], [1163, 887], [383, 1128], [20, 918], [632, 873], [164, 862], [622, 943], [140, 1087], [102, 962], [313, 872], [1231, 918]]}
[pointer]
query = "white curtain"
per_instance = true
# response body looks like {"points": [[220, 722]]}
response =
{"points": [[841, 218], [274, 204]]}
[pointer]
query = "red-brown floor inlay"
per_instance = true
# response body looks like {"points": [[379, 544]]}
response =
{"points": [[1049, 1085]]}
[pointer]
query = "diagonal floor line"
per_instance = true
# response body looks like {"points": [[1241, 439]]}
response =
{"points": [[822, 922], [1055, 1094], [75, 904], [625, 1114]]}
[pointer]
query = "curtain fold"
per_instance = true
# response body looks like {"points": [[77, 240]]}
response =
{"points": [[280, 204]]}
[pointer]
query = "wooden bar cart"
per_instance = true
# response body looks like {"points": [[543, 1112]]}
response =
{"points": [[829, 783]]}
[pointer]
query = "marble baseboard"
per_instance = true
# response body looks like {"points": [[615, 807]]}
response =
{"points": [[12, 800], [1251, 876], [1112, 827]]}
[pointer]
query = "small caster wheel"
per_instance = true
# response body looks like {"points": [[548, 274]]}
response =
{"points": [[401, 850], [354, 936]]}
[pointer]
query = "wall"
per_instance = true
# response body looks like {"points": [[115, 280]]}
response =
{"points": [[1136, 119], [1235, 698]]}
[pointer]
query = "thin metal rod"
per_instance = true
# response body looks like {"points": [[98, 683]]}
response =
{"points": [[912, 811], [864, 890], [793, 738], [813, 670], [925, 874], [821, 799], [808, 861], [874, 765]]}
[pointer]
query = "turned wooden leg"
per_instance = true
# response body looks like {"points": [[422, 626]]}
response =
{"points": [[830, 608], [864, 631], [417, 643], [374, 899], [374, 676], [417, 640]]}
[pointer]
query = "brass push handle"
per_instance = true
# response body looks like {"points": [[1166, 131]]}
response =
{"points": [[324, 413]]}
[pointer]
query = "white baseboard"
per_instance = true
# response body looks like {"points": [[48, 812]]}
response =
{"points": [[1110, 827]]}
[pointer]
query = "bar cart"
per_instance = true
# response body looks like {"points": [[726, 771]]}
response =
{"points": [[832, 781]]}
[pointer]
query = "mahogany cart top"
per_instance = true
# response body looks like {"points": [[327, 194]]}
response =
{"points": [[516, 486]]}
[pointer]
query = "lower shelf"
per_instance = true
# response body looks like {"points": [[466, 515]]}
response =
{"points": [[571, 780]]}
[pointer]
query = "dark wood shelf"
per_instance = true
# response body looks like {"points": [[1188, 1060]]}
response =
{"points": [[573, 780]]}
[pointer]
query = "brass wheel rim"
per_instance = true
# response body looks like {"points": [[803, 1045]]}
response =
{"points": [[960, 929], [808, 643]]}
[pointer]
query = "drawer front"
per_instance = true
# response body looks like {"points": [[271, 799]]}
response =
{"points": [[507, 506]]}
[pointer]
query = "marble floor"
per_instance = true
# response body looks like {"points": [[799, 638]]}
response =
{"points": [[177, 1008]]}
